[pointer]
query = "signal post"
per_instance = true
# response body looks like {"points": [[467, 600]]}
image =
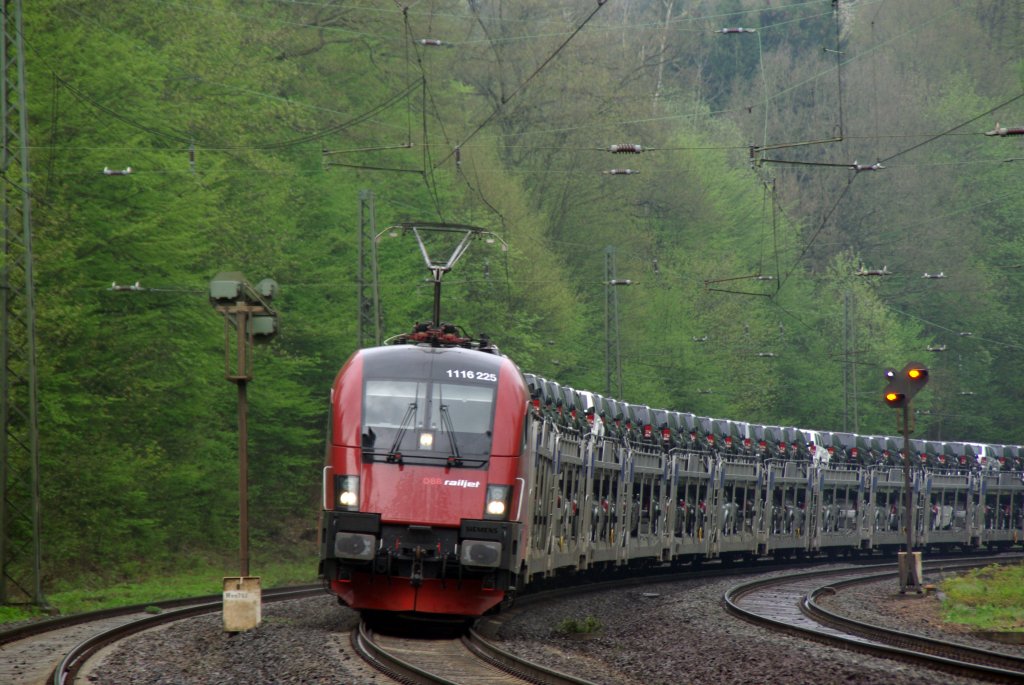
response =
{"points": [[247, 309], [902, 387]]}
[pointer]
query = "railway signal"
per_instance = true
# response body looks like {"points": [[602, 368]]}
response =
{"points": [[904, 384], [246, 309], [902, 387]]}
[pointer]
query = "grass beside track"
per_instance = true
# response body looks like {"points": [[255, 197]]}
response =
{"points": [[193, 583], [990, 598]]}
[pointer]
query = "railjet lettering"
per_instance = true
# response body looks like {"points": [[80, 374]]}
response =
{"points": [[463, 483]]}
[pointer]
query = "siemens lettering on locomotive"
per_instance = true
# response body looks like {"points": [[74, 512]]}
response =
{"points": [[452, 481]]}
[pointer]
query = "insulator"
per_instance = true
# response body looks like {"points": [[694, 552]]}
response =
{"points": [[620, 172], [866, 167], [107, 171], [134, 287], [433, 42], [1005, 131], [737, 29], [629, 148]]}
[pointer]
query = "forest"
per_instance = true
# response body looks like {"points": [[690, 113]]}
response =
{"points": [[815, 198]]}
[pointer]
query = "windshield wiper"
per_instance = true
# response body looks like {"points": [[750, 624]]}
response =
{"points": [[393, 454], [446, 424]]}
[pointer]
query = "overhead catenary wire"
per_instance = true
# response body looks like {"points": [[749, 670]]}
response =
{"points": [[377, 9], [407, 43], [505, 99], [849, 183], [186, 137], [927, 141], [688, 19], [567, 171]]}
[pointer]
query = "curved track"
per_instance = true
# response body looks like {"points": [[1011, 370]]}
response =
{"points": [[473, 659], [787, 604], [464, 660], [53, 651]]}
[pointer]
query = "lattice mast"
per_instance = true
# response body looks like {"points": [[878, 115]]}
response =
{"points": [[370, 321], [21, 510]]}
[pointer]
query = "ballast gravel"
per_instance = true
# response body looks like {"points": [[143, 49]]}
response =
{"points": [[668, 633]]}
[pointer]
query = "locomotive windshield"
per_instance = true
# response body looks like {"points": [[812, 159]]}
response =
{"points": [[427, 420]]}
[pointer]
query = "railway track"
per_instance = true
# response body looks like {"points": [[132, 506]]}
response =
{"points": [[788, 604], [464, 660], [472, 658], [53, 651]]}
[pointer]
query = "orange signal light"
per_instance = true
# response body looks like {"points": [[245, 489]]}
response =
{"points": [[902, 387]]}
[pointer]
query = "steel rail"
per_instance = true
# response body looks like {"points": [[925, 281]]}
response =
{"points": [[463, 660], [850, 634], [507, 661], [48, 625], [995, 663], [76, 657]]}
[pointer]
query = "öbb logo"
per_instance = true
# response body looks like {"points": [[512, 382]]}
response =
{"points": [[462, 483]]}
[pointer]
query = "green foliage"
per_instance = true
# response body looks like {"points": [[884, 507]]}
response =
{"points": [[206, 578], [10, 614], [574, 626], [225, 111], [990, 598]]}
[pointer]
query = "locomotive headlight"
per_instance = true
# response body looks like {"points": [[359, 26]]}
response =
{"points": [[426, 441], [498, 500], [346, 492]]}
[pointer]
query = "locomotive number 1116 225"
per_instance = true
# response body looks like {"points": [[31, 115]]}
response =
{"points": [[473, 375]]}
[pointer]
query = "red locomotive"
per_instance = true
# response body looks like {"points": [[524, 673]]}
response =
{"points": [[444, 491], [423, 484]]}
